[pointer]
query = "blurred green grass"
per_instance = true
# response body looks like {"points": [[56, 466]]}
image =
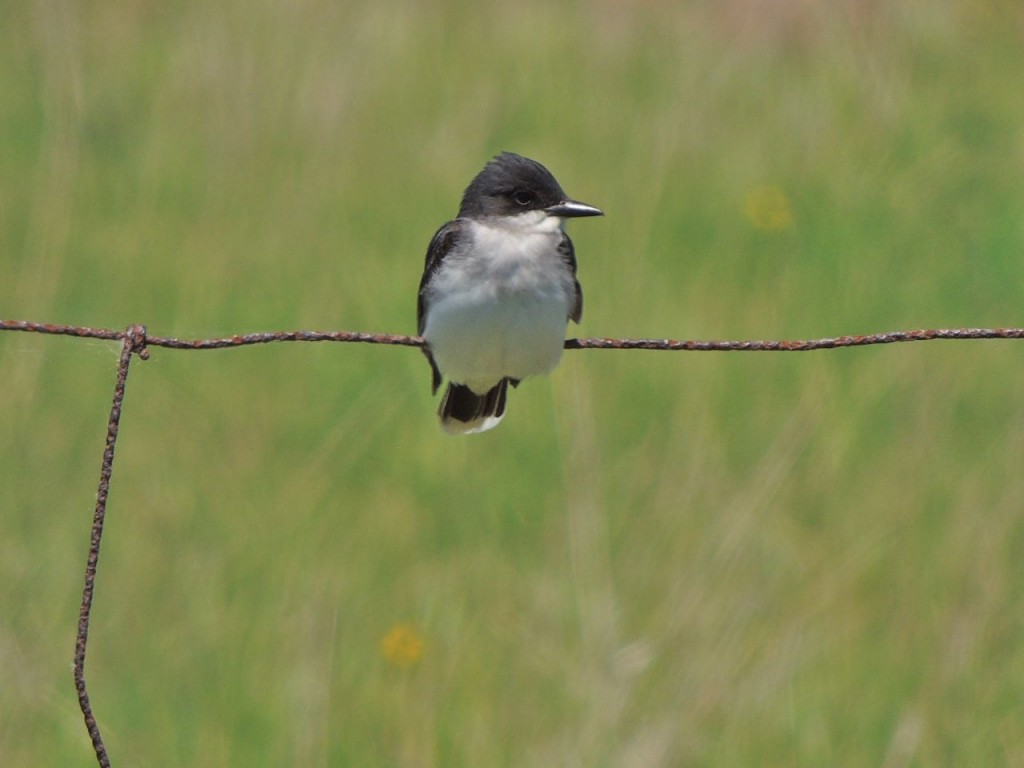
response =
{"points": [[658, 560]]}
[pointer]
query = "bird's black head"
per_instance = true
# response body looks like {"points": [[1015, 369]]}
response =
{"points": [[512, 184]]}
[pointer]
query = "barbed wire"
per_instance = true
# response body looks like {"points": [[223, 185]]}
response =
{"points": [[668, 345], [136, 341]]}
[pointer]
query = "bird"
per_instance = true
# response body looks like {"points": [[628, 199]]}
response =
{"points": [[498, 290]]}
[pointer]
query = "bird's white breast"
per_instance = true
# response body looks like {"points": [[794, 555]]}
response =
{"points": [[500, 306]]}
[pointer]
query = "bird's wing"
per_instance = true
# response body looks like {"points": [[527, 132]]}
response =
{"points": [[568, 254], [444, 241]]}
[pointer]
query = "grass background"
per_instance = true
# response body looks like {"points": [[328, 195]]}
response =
{"points": [[658, 559]]}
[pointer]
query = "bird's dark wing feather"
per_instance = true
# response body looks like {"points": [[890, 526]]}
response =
{"points": [[568, 254], [444, 242]]}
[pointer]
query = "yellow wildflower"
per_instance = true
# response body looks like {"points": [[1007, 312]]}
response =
{"points": [[402, 645], [768, 208]]}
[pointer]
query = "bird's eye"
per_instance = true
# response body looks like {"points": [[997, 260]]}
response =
{"points": [[522, 197]]}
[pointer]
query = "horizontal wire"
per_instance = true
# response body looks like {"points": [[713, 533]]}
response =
{"points": [[670, 345]]}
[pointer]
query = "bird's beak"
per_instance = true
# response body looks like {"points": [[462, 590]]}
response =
{"points": [[568, 209]]}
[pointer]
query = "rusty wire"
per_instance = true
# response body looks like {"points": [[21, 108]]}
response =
{"points": [[135, 341], [669, 345]]}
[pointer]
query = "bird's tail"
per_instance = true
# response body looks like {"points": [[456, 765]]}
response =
{"points": [[464, 412]]}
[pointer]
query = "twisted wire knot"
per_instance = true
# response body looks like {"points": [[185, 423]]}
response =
{"points": [[135, 335]]}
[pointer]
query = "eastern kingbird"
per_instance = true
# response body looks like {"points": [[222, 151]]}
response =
{"points": [[498, 289]]}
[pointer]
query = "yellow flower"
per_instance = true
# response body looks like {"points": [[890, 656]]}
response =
{"points": [[769, 209], [402, 645]]}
